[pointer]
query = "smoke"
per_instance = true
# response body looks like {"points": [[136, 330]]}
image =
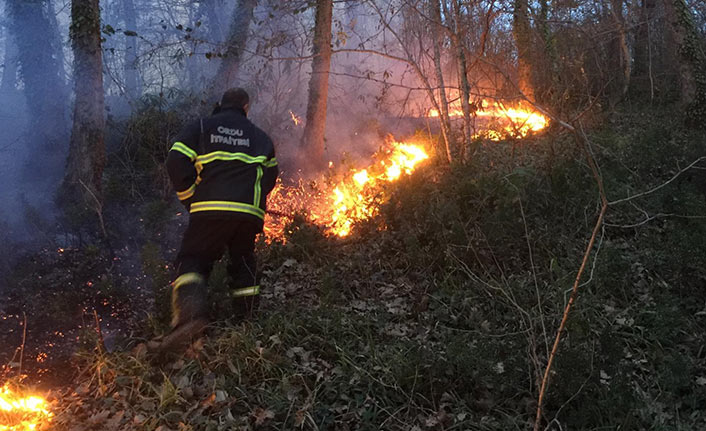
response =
{"points": [[370, 96], [34, 107], [177, 48]]}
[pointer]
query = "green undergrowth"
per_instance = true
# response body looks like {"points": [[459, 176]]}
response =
{"points": [[439, 314]]}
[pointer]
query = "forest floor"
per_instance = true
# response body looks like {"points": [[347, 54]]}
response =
{"points": [[438, 314]]}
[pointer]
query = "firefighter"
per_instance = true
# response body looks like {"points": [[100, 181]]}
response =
{"points": [[222, 167]]}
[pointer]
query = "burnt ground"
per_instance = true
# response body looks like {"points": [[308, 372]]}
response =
{"points": [[60, 293]]}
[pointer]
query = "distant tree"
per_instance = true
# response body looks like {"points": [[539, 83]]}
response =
{"points": [[87, 149], [642, 81], [41, 68], [313, 138], [549, 55], [212, 9], [522, 32], [227, 74], [130, 69], [9, 74], [619, 60]]}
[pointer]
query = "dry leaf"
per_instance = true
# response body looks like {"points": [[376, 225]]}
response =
{"points": [[261, 415], [114, 422], [99, 418]]}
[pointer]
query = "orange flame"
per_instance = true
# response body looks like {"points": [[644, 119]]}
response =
{"points": [[22, 413], [338, 204], [504, 121]]}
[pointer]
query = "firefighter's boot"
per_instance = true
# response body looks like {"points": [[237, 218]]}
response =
{"points": [[189, 312], [245, 302], [245, 291]]}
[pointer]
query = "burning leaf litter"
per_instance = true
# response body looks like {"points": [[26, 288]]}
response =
{"points": [[338, 203], [22, 412], [504, 121]]}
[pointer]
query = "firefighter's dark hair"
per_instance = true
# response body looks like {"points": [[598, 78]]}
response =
{"points": [[235, 98]]}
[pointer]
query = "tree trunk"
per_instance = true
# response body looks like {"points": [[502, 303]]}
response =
{"points": [[549, 80], [216, 33], [9, 74], [193, 62], [619, 55], [692, 61], [463, 84], [130, 70], [227, 74], [443, 101], [57, 44], [642, 81], [313, 138], [522, 32], [86, 158]]}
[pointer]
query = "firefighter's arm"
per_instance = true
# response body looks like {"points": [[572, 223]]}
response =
{"points": [[269, 176], [181, 163]]}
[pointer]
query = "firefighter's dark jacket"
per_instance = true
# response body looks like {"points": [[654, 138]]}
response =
{"points": [[223, 164]]}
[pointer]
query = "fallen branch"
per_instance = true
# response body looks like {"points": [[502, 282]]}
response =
{"points": [[574, 291]]}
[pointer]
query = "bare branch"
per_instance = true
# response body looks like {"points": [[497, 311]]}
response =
{"points": [[581, 136], [652, 190], [653, 217]]}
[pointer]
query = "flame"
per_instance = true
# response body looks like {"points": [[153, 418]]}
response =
{"points": [[339, 203], [503, 121], [297, 120], [22, 413], [336, 204]]}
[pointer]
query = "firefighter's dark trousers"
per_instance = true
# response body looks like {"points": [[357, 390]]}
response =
{"points": [[205, 241]]}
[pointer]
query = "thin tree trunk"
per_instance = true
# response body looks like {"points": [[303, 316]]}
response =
{"points": [[227, 74], [9, 74], [192, 64], [443, 102], [40, 69], [692, 61], [642, 79], [86, 158], [313, 138], [464, 86], [130, 70], [549, 56], [522, 32], [215, 28], [619, 54], [56, 42]]}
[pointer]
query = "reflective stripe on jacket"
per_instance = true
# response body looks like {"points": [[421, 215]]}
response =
{"points": [[223, 163]]}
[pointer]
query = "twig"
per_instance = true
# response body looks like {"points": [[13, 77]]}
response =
{"points": [[99, 207], [101, 341], [24, 341], [651, 218], [654, 189], [574, 291], [534, 277]]}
